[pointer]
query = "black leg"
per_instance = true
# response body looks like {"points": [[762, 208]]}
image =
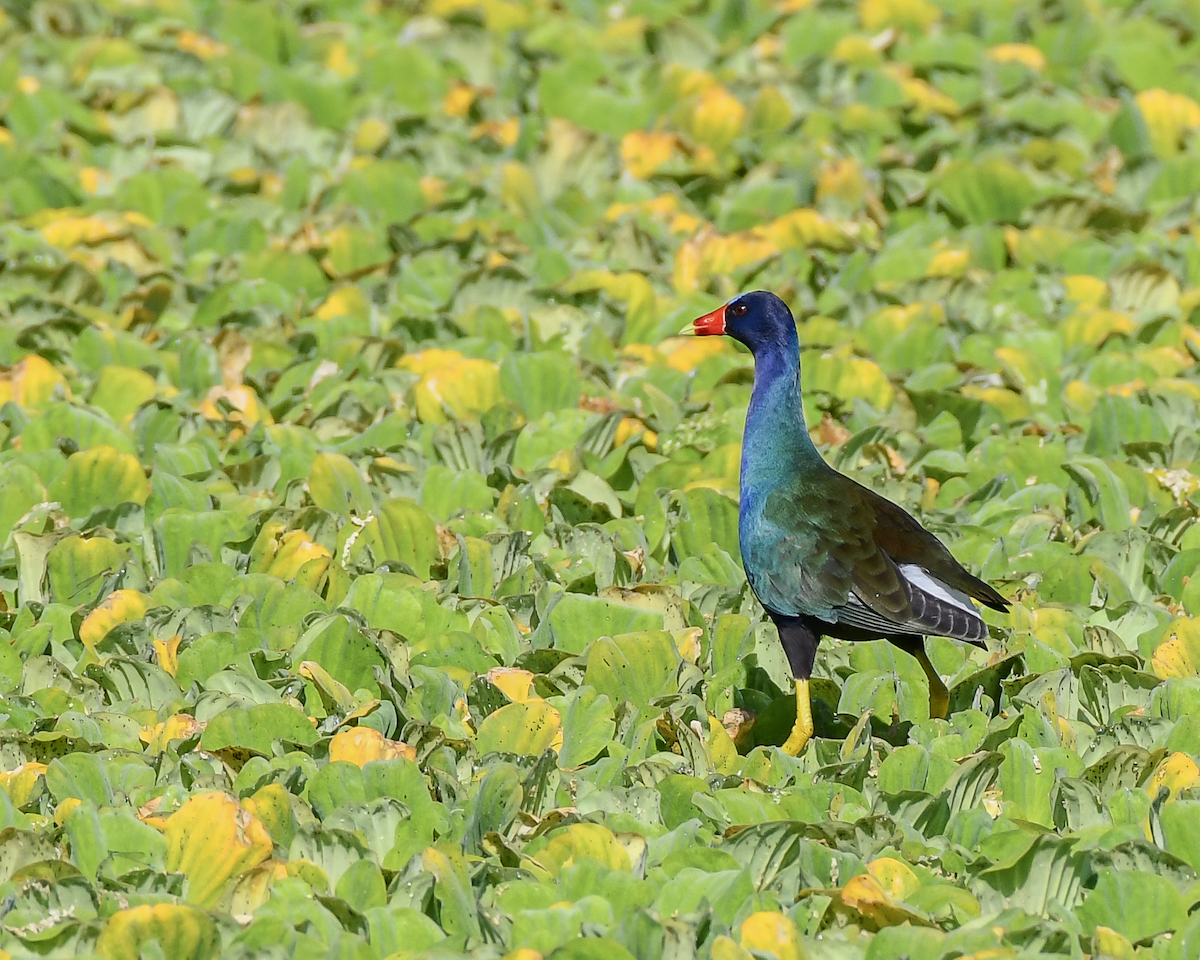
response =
{"points": [[939, 696], [800, 644]]}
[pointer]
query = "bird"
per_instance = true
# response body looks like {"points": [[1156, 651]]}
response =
{"points": [[824, 555]]}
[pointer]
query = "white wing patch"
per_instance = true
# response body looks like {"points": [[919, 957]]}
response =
{"points": [[922, 579]]}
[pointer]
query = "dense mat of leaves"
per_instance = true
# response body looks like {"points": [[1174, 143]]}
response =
{"points": [[369, 560]]}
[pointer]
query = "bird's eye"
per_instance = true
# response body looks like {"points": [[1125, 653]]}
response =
{"points": [[739, 309]]}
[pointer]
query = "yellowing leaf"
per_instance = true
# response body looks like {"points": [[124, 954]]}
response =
{"points": [[644, 153], [804, 228], [1023, 53], [211, 839], [917, 15], [1084, 289], [1179, 654], [895, 877], [518, 189], [100, 477], [721, 749], [856, 50], [295, 549], [361, 745], [842, 179], [717, 118], [179, 931], [70, 231], [1177, 772], [30, 383], [460, 391], [514, 683], [1169, 116], [166, 652], [235, 404], [20, 783], [120, 606], [200, 45], [773, 933], [528, 728], [723, 948], [426, 361], [1093, 326], [848, 377], [949, 263], [580, 841], [692, 352], [181, 726]]}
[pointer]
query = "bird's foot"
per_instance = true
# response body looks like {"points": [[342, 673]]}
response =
{"points": [[802, 731]]}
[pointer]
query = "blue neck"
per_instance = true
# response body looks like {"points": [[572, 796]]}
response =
{"points": [[776, 444]]}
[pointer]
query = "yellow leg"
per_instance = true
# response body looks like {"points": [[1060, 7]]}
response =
{"points": [[939, 696], [803, 730]]}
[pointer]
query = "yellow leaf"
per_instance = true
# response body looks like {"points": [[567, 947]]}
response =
{"points": [[30, 383], [21, 783], [1177, 772], [773, 933], [949, 263], [917, 15], [460, 391], [458, 102], [842, 179], [848, 377], [1023, 53], [295, 549], [211, 839], [514, 683], [361, 745], [1092, 326], [1085, 290], [856, 50], [179, 931], [253, 888], [1109, 944], [717, 118], [1012, 406], [895, 877], [426, 361], [694, 351], [93, 180], [65, 809], [1169, 116], [244, 406], [200, 45], [1179, 654], [181, 726], [329, 687], [120, 606], [721, 749], [67, 232], [643, 152], [167, 653], [807, 228], [581, 841], [1080, 396]]}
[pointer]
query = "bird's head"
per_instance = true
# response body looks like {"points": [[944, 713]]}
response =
{"points": [[757, 319]]}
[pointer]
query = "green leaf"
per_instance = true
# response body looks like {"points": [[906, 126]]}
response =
{"points": [[539, 383], [986, 191], [257, 728], [1136, 904]]}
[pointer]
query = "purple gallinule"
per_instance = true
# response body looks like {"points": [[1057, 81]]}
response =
{"points": [[824, 555]]}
